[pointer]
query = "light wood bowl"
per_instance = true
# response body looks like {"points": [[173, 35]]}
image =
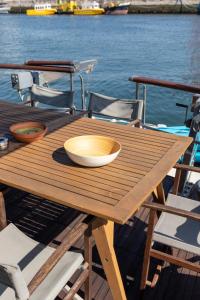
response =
{"points": [[92, 150]]}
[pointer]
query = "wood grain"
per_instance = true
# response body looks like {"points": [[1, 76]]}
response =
{"points": [[113, 192], [103, 235]]}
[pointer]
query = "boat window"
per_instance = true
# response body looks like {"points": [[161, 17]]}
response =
{"points": [[42, 6]]}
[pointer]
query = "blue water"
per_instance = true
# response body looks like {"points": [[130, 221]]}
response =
{"points": [[160, 46]]}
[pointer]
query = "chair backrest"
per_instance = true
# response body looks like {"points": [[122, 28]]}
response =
{"points": [[22, 80], [189, 156], [52, 97], [11, 276], [113, 107]]}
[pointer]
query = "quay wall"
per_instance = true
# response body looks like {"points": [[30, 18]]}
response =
{"points": [[163, 9], [136, 7]]}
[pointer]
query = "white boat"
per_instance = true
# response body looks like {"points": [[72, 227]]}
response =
{"points": [[4, 8]]}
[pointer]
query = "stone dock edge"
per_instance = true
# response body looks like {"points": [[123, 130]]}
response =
{"points": [[142, 9]]}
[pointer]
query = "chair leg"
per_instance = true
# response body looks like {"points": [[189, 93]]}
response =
{"points": [[3, 220], [88, 259], [146, 261], [78, 283], [168, 250], [156, 275]]}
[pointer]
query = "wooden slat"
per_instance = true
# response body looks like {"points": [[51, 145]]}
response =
{"points": [[58, 195], [139, 193], [137, 145], [144, 135], [73, 178], [127, 151], [96, 174], [159, 135], [62, 159], [137, 158], [136, 138], [66, 185], [114, 191], [123, 164]]}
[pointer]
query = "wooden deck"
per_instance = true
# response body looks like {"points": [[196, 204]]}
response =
{"points": [[43, 221]]}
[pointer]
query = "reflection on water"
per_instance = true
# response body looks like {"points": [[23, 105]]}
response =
{"points": [[160, 46]]}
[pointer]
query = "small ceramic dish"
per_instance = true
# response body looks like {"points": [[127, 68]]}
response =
{"points": [[28, 132], [3, 143], [92, 150]]}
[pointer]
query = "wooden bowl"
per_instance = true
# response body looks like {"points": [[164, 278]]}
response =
{"points": [[92, 150], [28, 132]]}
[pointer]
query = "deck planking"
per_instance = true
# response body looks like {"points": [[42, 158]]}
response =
{"points": [[44, 221]]}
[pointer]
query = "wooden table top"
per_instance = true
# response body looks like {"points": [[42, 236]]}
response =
{"points": [[12, 113], [113, 192]]}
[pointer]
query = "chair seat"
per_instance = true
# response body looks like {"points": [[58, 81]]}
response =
{"points": [[176, 231], [17, 248]]}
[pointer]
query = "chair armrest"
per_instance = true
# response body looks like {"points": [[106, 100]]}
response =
{"points": [[167, 84], [71, 238], [187, 168], [173, 210]]}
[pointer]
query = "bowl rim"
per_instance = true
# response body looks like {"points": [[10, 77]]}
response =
{"points": [[36, 124], [94, 136]]}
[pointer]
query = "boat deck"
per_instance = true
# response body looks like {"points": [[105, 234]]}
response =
{"points": [[43, 221]]}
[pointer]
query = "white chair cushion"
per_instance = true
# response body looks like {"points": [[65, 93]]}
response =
{"points": [[176, 231], [17, 248]]}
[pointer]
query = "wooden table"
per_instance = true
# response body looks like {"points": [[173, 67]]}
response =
{"points": [[12, 113], [111, 193]]}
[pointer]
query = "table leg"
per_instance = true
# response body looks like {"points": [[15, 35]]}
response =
{"points": [[3, 221], [161, 194], [103, 234]]}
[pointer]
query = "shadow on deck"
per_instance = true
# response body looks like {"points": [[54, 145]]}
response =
{"points": [[43, 221]]}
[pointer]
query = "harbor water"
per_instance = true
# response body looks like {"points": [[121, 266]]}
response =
{"points": [[159, 46]]}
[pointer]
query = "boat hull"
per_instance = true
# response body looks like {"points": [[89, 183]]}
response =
{"points": [[4, 10], [89, 11], [61, 12], [43, 12], [117, 10]]}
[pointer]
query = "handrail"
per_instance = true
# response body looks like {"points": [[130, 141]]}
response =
{"points": [[50, 63], [167, 84], [68, 69]]}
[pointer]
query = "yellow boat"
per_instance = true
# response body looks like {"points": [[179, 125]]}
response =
{"points": [[41, 10], [67, 7], [89, 8]]}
